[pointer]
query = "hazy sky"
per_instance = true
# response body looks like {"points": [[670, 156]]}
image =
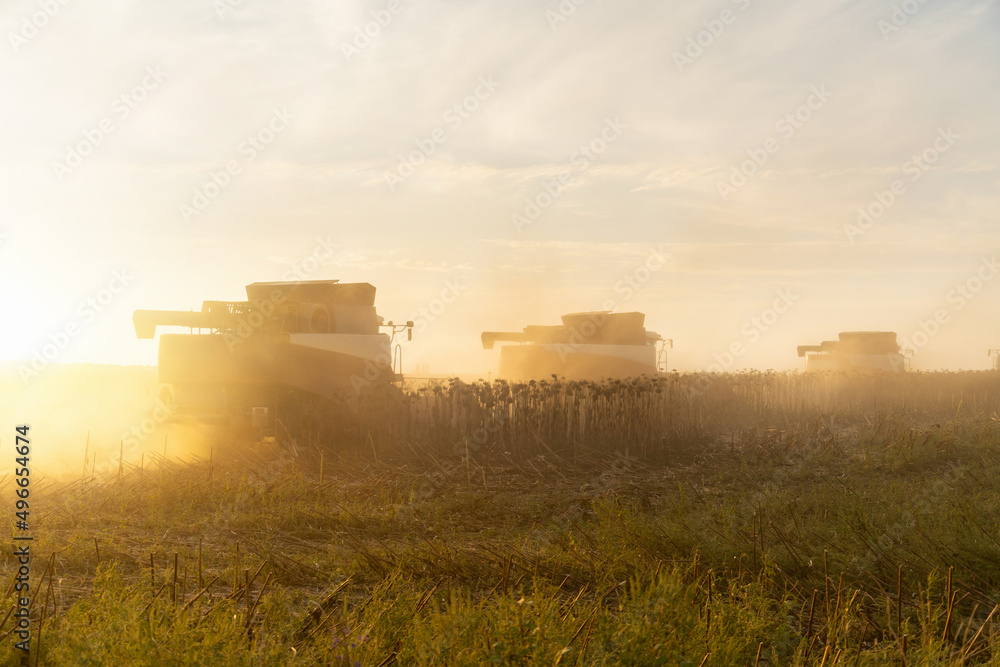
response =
{"points": [[420, 151]]}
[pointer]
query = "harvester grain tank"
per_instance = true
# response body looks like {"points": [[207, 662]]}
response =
{"points": [[311, 338], [586, 346], [856, 351]]}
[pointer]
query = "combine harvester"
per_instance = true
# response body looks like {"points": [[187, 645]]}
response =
{"points": [[587, 346], [868, 351], [274, 355]]}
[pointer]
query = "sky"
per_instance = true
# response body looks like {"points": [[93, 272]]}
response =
{"points": [[492, 165]]}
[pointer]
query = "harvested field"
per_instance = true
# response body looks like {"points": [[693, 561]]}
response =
{"points": [[754, 519]]}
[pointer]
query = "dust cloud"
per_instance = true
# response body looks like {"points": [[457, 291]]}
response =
{"points": [[84, 417]]}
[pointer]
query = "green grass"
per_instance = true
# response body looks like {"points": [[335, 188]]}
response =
{"points": [[813, 541]]}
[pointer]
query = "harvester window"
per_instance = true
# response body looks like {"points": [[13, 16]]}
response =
{"points": [[320, 321]]}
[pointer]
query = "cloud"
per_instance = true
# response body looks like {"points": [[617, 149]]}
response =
{"points": [[354, 118]]}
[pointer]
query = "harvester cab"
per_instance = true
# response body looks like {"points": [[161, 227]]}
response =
{"points": [[586, 346]]}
